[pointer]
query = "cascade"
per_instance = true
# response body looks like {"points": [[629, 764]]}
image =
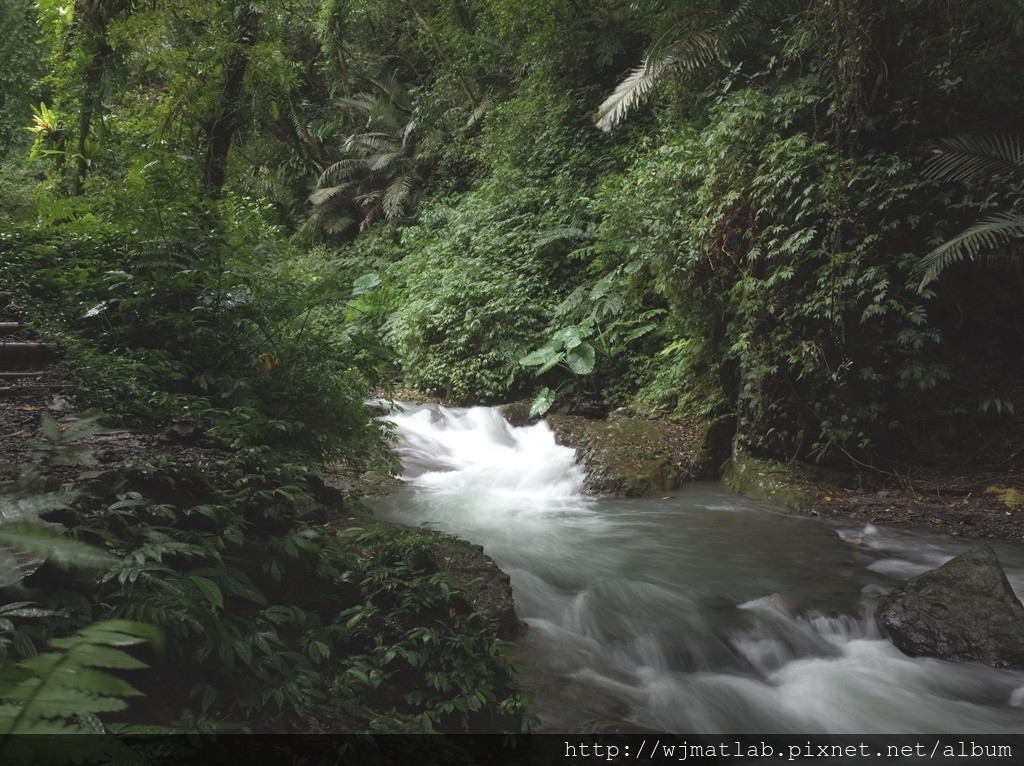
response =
{"points": [[703, 612]]}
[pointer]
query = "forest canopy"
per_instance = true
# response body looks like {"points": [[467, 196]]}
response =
{"points": [[243, 218]]}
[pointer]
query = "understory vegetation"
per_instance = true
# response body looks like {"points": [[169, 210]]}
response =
{"points": [[241, 220]]}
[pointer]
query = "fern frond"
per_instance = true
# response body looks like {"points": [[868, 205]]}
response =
{"points": [[51, 545], [59, 691], [976, 159], [987, 237]]}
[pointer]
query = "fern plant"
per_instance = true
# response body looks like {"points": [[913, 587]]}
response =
{"points": [[64, 690]]}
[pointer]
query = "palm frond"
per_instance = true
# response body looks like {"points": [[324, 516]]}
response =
{"points": [[319, 197], [478, 113], [690, 46], [997, 234], [396, 196], [341, 170], [338, 224], [382, 161], [407, 134], [370, 143], [976, 159], [633, 91], [361, 102], [368, 199], [698, 36]]}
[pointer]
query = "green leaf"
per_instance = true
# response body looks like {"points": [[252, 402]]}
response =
{"points": [[568, 337], [545, 355], [542, 402], [604, 284], [639, 332], [582, 359], [366, 283], [209, 590], [323, 650]]}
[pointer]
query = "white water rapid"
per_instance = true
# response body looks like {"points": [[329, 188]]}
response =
{"points": [[702, 612]]}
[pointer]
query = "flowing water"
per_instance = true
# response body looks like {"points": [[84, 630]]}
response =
{"points": [[702, 612]]}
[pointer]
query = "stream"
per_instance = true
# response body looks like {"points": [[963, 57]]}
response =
{"points": [[701, 612]]}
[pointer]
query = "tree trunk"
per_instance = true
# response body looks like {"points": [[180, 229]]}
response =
{"points": [[220, 131]]}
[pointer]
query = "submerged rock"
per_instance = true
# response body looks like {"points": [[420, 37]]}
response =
{"points": [[964, 610]]}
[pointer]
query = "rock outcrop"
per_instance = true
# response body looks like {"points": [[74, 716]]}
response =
{"points": [[632, 456], [964, 610]]}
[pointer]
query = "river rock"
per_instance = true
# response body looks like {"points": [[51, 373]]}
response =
{"points": [[964, 610], [631, 456]]}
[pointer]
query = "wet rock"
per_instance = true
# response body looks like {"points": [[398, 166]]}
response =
{"points": [[964, 610], [631, 456], [518, 413], [794, 485]]}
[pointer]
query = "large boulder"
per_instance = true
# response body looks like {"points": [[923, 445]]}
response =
{"points": [[964, 610], [631, 455]]}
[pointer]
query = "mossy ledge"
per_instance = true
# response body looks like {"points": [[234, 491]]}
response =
{"points": [[794, 485]]}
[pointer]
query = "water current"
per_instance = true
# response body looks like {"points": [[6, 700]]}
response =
{"points": [[698, 612]]}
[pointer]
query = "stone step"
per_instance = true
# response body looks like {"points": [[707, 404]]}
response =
{"points": [[21, 347], [5, 390]]}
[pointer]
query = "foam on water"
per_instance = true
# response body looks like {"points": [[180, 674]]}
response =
{"points": [[700, 613]]}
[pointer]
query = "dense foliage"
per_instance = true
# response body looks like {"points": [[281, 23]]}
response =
{"points": [[241, 218]]}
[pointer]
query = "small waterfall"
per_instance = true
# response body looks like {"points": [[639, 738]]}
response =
{"points": [[698, 613]]}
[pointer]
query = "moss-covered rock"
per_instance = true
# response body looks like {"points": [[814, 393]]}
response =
{"points": [[630, 455], [794, 485]]}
